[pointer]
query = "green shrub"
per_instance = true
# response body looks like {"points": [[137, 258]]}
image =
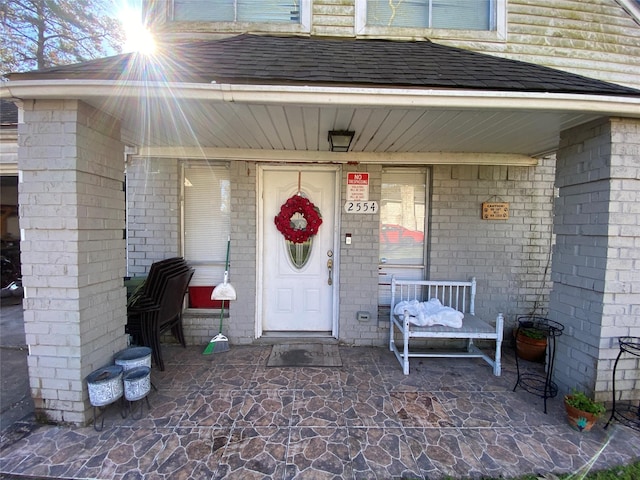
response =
{"points": [[534, 333], [580, 401]]}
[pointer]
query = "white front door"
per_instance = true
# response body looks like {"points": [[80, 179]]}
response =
{"points": [[298, 295]]}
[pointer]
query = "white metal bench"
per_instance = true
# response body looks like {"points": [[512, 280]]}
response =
{"points": [[457, 295]]}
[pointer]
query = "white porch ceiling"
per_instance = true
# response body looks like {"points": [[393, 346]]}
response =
{"points": [[377, 129], [389, 124]]}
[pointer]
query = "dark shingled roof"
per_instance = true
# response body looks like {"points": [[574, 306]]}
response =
{"points": [[254, 59]]}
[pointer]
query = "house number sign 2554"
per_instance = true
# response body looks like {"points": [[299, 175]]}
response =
{"points": [[361, 207]]}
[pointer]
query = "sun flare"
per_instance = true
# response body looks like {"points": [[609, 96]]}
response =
{"points": [[137, 37]]}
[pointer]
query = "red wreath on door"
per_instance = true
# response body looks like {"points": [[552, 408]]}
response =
{"points": [[311, 214]]}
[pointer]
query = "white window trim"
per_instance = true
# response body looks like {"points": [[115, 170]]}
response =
{"points": [[305, 17], [499, 34], [303, 26], [632, 7]]}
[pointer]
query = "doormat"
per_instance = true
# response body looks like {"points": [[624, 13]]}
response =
{"points": [[304, 355]]}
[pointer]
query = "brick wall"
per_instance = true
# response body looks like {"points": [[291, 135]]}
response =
{"points": [[509, 258], [595, 263], [153, 212], [72, 218], [153, 187], [359, 268]]}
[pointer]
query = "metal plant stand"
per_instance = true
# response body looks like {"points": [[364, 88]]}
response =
{"points": [[137, 384], [536, 383], [625, 412], [105, 387]]}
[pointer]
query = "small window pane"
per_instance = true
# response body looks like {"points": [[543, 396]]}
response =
{"points": [[255, 11], [269, 11], [461, 14], [204, 10], [442, 14], [398, 13], [402, 218]]}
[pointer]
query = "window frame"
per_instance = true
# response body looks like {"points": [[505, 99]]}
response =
{"points": [[303, 27], [498, 34], [214, 268], [414, 271]]}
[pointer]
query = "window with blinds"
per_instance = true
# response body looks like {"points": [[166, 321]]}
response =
{"points": [[440, 14], [253, 11], [206, 220]]}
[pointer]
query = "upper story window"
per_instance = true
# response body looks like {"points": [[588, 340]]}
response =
{"points": [[454, 14], [242, 11], [434, 18]]}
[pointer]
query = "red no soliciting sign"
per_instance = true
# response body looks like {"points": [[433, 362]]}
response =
{"points": [[357, 186]]}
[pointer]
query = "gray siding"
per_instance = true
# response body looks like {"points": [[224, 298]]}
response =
{"points": [[595, 38], [334, 18]]}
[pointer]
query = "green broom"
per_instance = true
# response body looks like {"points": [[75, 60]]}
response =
{"points": [[224, 291], [219, 343]]}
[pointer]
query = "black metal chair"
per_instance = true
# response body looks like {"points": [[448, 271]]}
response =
{"points": [[149, 296], [159, 307]]}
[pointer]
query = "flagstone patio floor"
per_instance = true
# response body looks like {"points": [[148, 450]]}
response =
{"points": [[228, 415]]}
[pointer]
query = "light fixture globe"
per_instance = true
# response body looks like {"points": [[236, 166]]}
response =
{"points": [[340, 140]]}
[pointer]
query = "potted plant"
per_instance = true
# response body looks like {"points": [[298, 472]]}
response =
{"points": [[531, 343], [582, 411]]}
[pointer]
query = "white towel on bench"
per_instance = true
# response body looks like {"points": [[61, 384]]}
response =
{"points": [[427, 314]]}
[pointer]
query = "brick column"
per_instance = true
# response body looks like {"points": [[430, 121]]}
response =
{"points": [[596, 292], [242, 322], [72, 210]]}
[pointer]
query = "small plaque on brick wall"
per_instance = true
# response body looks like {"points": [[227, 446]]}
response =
{"points": [[495, 211]]}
